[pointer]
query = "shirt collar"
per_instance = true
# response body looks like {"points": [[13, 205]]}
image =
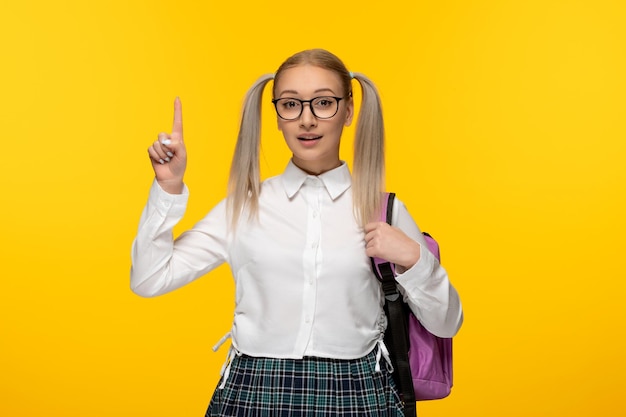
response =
{"points": [[336, 181]]}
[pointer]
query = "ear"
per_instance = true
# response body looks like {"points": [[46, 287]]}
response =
{"points": [[349, 112]]}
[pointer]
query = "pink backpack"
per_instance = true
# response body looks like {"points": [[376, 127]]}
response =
{"points": [[422, 361]]}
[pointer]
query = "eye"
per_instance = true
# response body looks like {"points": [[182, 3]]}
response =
{"points": [[289, 103], [324, 102]]}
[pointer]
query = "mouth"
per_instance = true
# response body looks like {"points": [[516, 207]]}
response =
{"points": [[309, 138]]}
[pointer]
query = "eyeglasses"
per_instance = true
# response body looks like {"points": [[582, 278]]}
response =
{"points": [[322, 107]]}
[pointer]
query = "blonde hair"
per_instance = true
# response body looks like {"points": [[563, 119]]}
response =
{"points": [[244, 182], [244, 185]]}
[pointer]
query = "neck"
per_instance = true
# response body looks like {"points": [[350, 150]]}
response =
{"points": [[316, 168]]}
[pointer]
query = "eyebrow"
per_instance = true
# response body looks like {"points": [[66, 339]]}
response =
{"points": [[319, 90]]}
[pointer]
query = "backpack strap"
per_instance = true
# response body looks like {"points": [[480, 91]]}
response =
{"points": [[385, 271], [396, 335]]}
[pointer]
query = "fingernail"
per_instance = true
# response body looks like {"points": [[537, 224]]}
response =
{"points": [[166, 142], [161, 161], [167, 159], [171, 155]]}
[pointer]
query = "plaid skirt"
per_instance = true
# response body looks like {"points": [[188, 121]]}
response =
{"points": [[309, 387]]}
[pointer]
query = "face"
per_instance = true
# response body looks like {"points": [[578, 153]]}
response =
{"points": [[314, 142]]}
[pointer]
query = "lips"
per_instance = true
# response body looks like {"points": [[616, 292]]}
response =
{"points": [[309, 137]]}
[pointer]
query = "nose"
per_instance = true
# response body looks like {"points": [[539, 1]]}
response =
{"points": [[307, 118]]}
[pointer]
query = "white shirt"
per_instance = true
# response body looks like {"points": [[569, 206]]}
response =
{"points": [[304, 285]]}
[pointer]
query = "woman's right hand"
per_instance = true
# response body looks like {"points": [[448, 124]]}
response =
{"points": [[169, 156]]}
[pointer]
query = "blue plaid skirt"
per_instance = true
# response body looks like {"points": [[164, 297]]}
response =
{"points": [[309, 387]]}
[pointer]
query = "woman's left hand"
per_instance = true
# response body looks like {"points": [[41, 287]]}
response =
{"points": [[392, 244]]}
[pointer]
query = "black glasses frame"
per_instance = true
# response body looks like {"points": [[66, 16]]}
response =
{"points": [[302, 102]]}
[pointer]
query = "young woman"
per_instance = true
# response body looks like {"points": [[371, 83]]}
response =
{"points": [[307, 333]]}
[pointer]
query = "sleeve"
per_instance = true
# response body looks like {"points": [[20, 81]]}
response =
{"points": [[160, 263], [425, 286]]}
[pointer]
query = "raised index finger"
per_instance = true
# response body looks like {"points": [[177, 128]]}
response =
{"points": [[177, 127]]}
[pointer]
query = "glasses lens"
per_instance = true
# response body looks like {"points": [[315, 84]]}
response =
{"points": [[288, 108], [325, 107]]}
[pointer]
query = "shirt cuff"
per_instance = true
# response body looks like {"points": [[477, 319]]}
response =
{"points": [[418, 274], [166, 203]]}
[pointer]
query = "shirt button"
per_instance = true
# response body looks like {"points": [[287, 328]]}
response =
{"points": [[315, 214], [314, 245], [307, 320]]}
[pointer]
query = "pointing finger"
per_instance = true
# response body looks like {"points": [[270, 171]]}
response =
{"points": [[177, 128]]}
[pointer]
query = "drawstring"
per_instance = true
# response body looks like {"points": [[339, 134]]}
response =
{"points": [[225, 371], [221, 342], [232, 352], [382, 352]]}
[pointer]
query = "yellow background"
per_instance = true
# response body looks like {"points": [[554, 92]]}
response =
{"points": [[506, 139]]}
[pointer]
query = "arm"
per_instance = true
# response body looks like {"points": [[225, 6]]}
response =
{"points": [[159, 263]]}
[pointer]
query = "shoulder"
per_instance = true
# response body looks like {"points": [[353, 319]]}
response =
{"points": [[399, 209], [272, 184], [402, 219]]}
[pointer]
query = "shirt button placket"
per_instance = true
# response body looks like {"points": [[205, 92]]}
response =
{"points": [[311, 260]]}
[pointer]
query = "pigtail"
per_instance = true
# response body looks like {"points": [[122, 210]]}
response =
{"points": [[244, 183], [369, 154]]}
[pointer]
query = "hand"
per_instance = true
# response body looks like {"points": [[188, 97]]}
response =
{"points": [[392, 244], [169, 156]]}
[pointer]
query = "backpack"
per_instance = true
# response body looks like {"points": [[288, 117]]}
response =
{"points": [[422, 362]]}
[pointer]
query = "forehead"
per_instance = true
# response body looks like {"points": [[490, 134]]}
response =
{"points": [[306, 80]]}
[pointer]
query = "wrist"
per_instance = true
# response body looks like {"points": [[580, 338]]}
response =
{"points": [[413, 258], [172, 186]]}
